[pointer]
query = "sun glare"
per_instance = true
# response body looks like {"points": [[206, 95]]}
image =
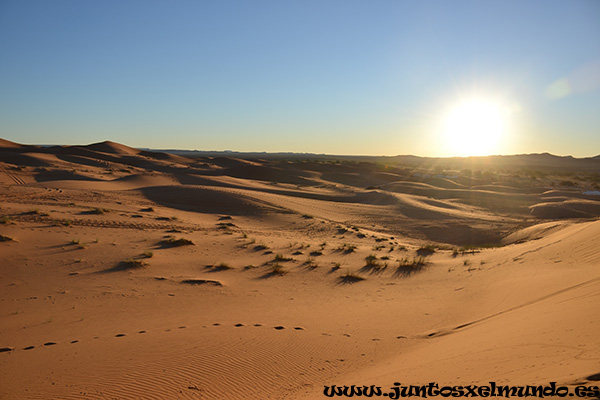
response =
{"points": [[474, 127]]}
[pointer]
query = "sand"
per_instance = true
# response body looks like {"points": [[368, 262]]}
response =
{"points": [[131, 274]]}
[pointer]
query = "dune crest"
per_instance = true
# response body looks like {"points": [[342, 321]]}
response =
{"points": [[112, 148]]}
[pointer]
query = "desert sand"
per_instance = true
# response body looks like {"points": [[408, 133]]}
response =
{"points": [[130, 274]]}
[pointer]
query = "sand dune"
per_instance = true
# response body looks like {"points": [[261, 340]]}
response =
{"points": [[132, 274], [112, 148], [566, 208]]}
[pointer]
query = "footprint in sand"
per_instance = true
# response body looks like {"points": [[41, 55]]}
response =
{"points": [[593, 377], [119, 335]]}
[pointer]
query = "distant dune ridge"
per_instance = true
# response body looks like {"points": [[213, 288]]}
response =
{"points": [[237, 275], [475, 192]]}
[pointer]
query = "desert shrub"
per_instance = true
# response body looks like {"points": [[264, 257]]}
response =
{"points": [[371, 260], [198, 282], [567, 183]]}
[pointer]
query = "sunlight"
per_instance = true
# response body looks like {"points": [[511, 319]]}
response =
{"points": [[474, 127]]}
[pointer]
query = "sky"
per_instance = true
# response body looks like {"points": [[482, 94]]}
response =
{"points": [[381, 77]]}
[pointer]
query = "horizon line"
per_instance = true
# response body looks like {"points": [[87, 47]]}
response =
{"points": [[167, 150]]}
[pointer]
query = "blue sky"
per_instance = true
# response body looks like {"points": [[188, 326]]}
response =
{"points": [[328, 76]]}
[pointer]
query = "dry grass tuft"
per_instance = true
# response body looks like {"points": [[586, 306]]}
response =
{"points": [[280, 257], [277, 270], [416, 263], [426, 250], [98, 211], [132, 264], [408, 267], [222, 267], [350, 277]]}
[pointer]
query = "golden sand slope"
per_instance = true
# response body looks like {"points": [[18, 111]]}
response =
{"points": [[133, 275]]}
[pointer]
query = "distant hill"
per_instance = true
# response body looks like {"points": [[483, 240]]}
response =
{"points": [[539, 161]]}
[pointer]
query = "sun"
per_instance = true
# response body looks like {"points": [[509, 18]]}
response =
{"points": [[474, 127]]}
